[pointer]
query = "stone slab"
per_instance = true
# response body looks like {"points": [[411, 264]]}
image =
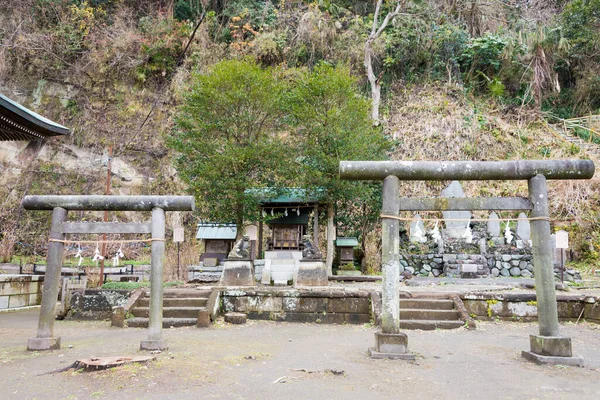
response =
{"points": [[455, 229], [37, 344], [469, 268], [237, 273], [311, 274], [153, 345], [576, 361], [523, 229], [551, 345], [203, 319], [390, 356], [393, 343], [236, 318], [493, 225]]}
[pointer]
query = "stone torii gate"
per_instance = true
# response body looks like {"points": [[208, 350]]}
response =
{"points": [[60, 205], [548, 346]]}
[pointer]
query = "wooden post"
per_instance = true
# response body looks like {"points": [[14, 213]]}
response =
{"points": [[330, 239], [45, 339], [260, 240], [316, 226]]}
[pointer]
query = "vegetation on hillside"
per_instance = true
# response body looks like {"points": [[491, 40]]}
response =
{"points": [[459, 80]]}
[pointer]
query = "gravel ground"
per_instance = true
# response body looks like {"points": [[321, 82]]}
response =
{"points": [[267, 360]]}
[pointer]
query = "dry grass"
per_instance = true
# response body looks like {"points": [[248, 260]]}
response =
{"points": [[439, 122]]}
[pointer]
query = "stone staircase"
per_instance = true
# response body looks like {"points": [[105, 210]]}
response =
{"points": [[280, 267], [180, 308], [429, 314], [282, 271], [592, 149]]}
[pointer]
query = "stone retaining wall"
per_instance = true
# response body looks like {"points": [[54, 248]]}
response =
{"points": [[523, 306], [322, 306], [504, 265], [96, 304], [20, 290]]}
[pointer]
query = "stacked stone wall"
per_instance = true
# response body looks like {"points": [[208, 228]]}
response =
{"points": [[20, 290]]}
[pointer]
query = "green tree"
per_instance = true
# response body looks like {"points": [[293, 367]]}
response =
{"points": [[331, 121], [227, 138]]}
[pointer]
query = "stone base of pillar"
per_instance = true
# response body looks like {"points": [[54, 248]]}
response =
{"points": [[392, 346], [237, 273], [153, 345], [36, 344], [311, 273], [551, 350]]}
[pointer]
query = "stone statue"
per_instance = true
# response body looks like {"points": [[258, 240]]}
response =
{"points": [[241, 250], [310, 252]]}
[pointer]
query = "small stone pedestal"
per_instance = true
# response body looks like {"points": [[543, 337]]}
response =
{"points": [[153, 345], [237, 273], [311, 273], [36, 344], [551, 350], [392, 346]]}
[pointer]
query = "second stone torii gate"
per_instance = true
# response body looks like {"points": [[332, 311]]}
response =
{"points": [[548, 346], [60, 205]]}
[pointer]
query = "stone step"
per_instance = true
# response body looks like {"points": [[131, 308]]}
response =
{"points": [[176, 302], [282, 263], [464, 266], [186, 293], [140, 322], [282, 275], [429, 315], [427, 325], [280, 282], [427, 304], [169, 312]]}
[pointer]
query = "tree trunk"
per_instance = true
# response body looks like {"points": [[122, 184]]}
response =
{"points": [[376, 31], [239, 221], [330, 239], [373, 82]]}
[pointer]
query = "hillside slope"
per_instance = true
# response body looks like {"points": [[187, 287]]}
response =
{"points": [[109, 71]]}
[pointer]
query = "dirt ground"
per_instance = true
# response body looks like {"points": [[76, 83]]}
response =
{"points": [[268, 360]]}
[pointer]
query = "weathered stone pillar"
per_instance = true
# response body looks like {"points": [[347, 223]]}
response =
{"points": [[390, 342], [548, 346], [390, 256], [45, 339], [155, 341]]}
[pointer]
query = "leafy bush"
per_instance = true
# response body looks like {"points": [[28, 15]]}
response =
{"points": [[161, 44], [187, 10], [415, 46], [482, 55]]}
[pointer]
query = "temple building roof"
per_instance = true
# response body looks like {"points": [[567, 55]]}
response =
{"points": [[20, 123]]}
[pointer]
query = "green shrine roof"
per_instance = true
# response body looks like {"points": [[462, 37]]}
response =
{"points": [[346, 242], [211, 230], [20, 123], [268, 196]]}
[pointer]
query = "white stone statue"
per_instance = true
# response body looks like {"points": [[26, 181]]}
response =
{"points": [[468, 236], [435, 233], [507, 233], [418, 235]]}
